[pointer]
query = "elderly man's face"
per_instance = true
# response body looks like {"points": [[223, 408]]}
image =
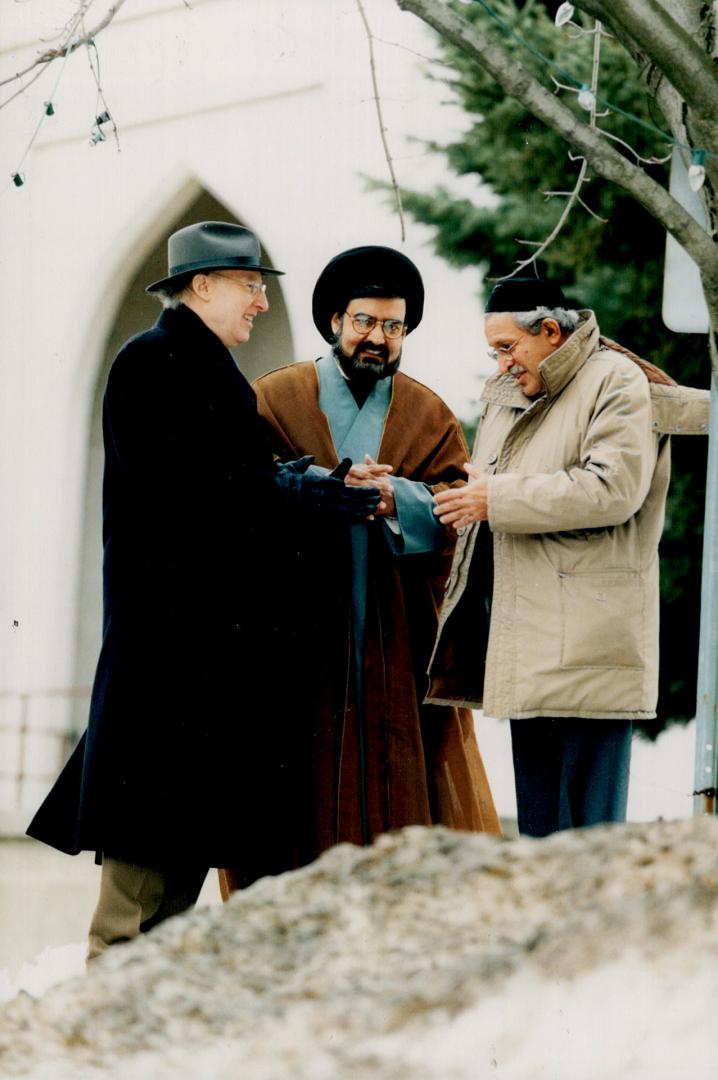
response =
{"points": [[519, 352], [228, 301], [375, 351]]}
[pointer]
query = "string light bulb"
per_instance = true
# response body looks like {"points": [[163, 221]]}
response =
{"points": [[564, 14], [49, 109], [586, 98], [697, 170], [18, 179]]}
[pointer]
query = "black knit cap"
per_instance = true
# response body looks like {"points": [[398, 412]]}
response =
{"points": [[372, 266], [525, 294]]}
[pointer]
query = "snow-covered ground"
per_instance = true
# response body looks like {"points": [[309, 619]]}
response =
{"points": [[46, 898], [434, 954]]}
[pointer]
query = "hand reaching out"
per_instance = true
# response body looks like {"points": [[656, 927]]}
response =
{"points": [[465, 505]]}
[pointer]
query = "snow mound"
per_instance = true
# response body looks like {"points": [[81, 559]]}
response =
{"points": [[438, 955]]}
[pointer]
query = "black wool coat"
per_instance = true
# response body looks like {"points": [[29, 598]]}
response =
{"points": [[185, 757]]}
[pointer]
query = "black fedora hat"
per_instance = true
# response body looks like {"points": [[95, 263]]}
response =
{"points": [[211, 245], [372, 266], [525, 294]]}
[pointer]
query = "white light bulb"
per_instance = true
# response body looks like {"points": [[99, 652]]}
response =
{"points": [[586, 99], [697, 170], [696, 177], [564, 14]]}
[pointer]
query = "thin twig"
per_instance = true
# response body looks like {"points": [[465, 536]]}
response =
{"points": [[23, 87], [70, 44], [101, 106], [587, 208], [382, 129], [574, 196], [641, 160], [422, 56], [570, 203]]}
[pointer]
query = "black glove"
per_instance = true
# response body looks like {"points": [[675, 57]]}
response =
{"points": [[326, 495], [299, 466], [340, 471]]}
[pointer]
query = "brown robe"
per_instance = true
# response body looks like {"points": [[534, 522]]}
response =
{"points": [[423, 762]]}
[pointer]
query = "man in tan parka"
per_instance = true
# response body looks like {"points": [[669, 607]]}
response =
{"points": [[551, 612]]}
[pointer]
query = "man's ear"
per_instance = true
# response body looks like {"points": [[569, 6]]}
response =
{"points": [[200, 286], [336, 322], [552, 330]]}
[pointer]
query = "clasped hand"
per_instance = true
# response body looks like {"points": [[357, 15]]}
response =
{"points": [[464, 505], [371, 474], [327, 495]]}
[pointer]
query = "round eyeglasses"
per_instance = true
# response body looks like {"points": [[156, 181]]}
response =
{"points": [[503, 350], [254, 287], [364, 324]]}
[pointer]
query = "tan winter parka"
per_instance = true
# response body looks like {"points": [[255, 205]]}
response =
{"points": [[576, 498]]}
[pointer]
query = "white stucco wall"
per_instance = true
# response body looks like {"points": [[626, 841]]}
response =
{"points": [[267, 106]]}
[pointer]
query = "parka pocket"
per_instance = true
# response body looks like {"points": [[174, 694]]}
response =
{"points": [[602, 619]]}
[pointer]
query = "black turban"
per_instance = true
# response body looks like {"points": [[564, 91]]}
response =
{"points": [[370, 266]]}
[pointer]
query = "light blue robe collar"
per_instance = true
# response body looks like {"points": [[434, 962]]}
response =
{"points": [[355, 431]]}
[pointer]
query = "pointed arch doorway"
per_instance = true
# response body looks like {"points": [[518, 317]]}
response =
{"points": [[270, 345]]}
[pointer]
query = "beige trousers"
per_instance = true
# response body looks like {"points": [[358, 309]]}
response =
{"points": [[134, 898]]}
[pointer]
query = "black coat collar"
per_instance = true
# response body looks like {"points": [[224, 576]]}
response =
{"points": [[194, 335]]}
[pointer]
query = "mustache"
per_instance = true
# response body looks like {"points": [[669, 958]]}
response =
{"points": [[378, 352]]}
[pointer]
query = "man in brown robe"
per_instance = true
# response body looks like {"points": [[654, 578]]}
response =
{"points": [[376, 757]]}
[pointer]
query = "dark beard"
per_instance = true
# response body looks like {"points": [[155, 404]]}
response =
{"points": [[365, 369]]}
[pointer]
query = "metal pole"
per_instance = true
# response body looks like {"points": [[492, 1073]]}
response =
{"points": [[706, 761]]}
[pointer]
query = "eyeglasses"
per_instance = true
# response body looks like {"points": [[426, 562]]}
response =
{"points": [[254, 287], [364, 324], [503, 350]]}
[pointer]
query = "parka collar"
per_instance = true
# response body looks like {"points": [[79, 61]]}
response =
{"points": [[556, 370]]}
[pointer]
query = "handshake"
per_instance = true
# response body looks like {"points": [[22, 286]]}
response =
{"points": [[327, 495]]}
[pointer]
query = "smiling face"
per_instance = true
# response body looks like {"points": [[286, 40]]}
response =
{"points": [[372, 354], [228, 302], [519, 352]]}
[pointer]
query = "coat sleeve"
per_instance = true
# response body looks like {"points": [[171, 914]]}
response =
{"points": [[420, 529], [609, 483]]}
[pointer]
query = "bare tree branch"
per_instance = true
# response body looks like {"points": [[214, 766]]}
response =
{"points": [[571, 201], [382, 128], [572, 197], [603, 159], [70, 44], [671, 48]]}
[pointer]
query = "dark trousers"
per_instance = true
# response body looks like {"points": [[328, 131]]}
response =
{"points": [[570, 772]]}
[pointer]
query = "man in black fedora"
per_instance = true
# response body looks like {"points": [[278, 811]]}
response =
{"points": [[374, 757], [185, 764]]}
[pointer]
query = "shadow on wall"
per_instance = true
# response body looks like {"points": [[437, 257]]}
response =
{"points": [[136, 311]]}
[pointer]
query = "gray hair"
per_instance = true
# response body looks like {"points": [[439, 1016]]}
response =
{"points": [[171, 295], [169, 300], [566, 318]]}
